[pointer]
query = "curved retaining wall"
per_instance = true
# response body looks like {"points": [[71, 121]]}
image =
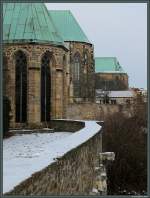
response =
{"points": [[69, 125], [73, 170]]}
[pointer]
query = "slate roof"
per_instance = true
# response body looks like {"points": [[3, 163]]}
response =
{"points": [[68, 26], [107, 65], [30, 22]]}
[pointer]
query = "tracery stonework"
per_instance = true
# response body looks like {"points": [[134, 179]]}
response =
{"points": [[85, 91]]}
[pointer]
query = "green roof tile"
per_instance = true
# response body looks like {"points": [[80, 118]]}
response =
{"points": [[108, 65], [29, 22], [68, 26]]}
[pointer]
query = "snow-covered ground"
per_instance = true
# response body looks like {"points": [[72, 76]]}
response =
{"points": [[26, 154]]}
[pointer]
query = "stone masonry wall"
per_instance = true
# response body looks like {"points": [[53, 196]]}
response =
{"points": [[70, 125], [72, 174], [93, 111], [59, 94], [111, 81]]}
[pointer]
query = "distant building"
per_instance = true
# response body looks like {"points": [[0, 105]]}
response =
{"points": [[140, 94], [109, 74], [114, 97], [144, 94]]}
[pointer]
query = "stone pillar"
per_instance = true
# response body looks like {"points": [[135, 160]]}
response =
{"points": [[65, 87], [34, 111], [71, 101], [10, 89], [53, 92], [59, 93]]}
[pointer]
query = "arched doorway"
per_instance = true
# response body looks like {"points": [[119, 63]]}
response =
{"points": [[45, 87], [21, 86]]}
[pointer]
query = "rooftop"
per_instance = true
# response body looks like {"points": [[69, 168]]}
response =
{"points": [[29, 22], [68, 26], [116, 94], [107, 65]]}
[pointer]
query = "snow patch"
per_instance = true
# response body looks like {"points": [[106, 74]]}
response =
{"points": [[25, 154]]}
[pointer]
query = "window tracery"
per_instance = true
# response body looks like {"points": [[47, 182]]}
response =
{"points": [[21, 86], [45, 87], [76, 70]]}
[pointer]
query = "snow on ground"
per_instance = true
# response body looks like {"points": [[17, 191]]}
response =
{"points": [[26, 154]]}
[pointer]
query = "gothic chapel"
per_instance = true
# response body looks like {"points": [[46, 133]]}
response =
{"points": [[48, 63]]}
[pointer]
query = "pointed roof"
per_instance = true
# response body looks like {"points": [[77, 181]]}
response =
{"points": [[68, 26], [24, 22], [107, 65]]}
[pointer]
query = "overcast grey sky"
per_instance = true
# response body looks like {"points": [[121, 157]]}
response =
{"points": [[116, 30]]}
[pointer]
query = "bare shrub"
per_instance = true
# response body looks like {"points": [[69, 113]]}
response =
{"points": [[127, 137]]}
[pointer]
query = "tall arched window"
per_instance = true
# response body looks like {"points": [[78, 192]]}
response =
{"points": [[45, 87], [76, 67], [21, 87], [85, 92]]}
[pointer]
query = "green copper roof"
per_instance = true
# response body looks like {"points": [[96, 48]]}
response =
{"points": [[108, 65], [68, 26], [28, 22]]}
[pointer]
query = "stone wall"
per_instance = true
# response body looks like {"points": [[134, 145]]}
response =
{"points": [[70, 125], [111, 81], [72, 174], [58, 66], [62, 85], [93, 111]]}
